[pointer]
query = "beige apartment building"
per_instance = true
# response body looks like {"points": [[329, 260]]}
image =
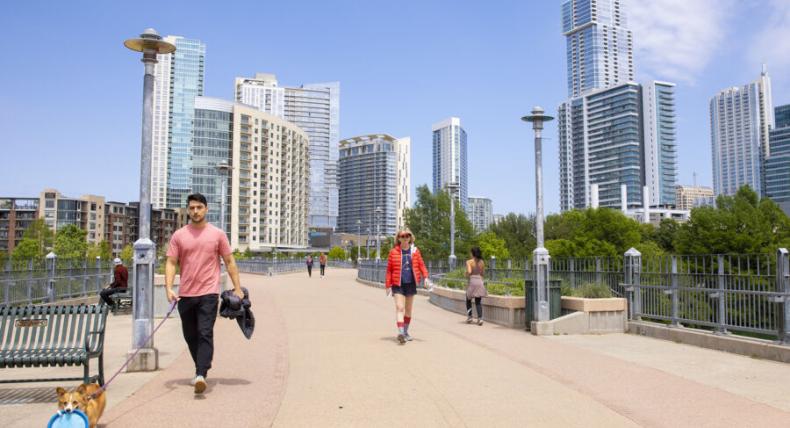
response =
{"points": [[685, 196], [85, 212]]}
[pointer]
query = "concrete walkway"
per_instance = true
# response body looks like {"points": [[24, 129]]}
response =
{"points": [[324, 354]]}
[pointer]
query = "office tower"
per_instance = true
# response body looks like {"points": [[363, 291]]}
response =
{"points": [[481, 213], [777, 166], [16, 215], [599, 46], [268, 186], [449, 158], [178, 80], [740, 120], [660, 153], [316, 109], [688, 197], [374, 173]]}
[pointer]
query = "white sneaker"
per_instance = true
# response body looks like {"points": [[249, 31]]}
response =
{"points": [[200, 384]]}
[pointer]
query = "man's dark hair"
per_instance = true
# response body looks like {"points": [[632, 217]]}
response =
{"points": [[197, 197]]}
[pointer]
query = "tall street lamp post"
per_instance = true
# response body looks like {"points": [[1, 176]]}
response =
{"points": [[541, 254], [452, 189], [147, 358]]}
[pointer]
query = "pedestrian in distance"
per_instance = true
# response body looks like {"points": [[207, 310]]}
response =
{"points": [[120, 282], [322, 263], [309, 263], [197, 248], [405, 269], [475, 287]]}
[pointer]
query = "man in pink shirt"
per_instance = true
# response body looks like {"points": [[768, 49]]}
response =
{"points": [[197, 247]]}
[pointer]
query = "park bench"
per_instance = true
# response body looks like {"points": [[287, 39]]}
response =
{"points": [[57, 335], [122, 301]]}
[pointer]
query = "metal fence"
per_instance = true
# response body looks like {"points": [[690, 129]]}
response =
{"points": [[48, 280], [747, 294], [272, 266]]}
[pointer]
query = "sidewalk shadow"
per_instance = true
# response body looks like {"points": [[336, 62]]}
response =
{"points": [[16, 396]]}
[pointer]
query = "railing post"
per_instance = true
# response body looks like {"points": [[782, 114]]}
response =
{"points": [[30, 281], [493, 268], [633, 268], [98, 273], [509, 268], [674, 286], [51, 261], [721, 327], [84, 277], [783, 286]]}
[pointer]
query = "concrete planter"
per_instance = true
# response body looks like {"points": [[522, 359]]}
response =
{"points": [[503, 310], [590, 316], [581, 304]]}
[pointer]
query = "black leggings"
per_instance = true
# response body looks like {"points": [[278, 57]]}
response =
{"points": [[322, 269], [478, 306]]}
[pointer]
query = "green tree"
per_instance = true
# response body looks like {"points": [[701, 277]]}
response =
{"points": [[101, 249], [336, 253], [28, 249], [492, 245], [386, 246], [741, 224], [666, 233], [518, 232], [592, 232], [40, 239], [429, 220], [127, 253], [70, 243]]}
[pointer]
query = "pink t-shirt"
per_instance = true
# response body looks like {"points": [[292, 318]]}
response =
{"points": [[198, 251]]}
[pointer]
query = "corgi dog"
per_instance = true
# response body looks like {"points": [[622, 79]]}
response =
{"points": [[83, 398]]}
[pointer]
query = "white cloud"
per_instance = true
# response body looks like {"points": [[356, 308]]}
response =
{"points": [[675, 39], [771, 45]]}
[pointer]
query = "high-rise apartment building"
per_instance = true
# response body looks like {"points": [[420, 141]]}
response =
{"points": [[374, 173], [740, 120], [268, 187], [481, 213], [179, 79], [449, 158], [612, 131], [688, 197], [777, 166], [315, 108], [16, 215], [600, 143], [599, 46]]}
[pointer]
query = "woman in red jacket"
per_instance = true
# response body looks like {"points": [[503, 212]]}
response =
{"points": [[405, 269]]}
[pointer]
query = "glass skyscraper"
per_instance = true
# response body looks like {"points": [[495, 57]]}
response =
{"points": [[660, 152], [740, 120], [481, 213], [777, 166], [599, 46], [449, 158], [316, 109], [211, 145], [179, 79]]}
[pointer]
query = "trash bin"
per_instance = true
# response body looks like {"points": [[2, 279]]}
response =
{"points": [[531, 296]]}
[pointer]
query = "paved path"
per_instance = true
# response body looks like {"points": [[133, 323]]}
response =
{"points": [[324, 354]]}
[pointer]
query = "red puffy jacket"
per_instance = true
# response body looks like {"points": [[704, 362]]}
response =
{"points": [[394, 266]]}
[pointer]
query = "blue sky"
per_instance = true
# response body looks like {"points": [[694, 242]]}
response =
{"points": [[70, 93]]}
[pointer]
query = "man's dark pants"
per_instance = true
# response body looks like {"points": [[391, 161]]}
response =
{"points": [[107, 292], [197, 322]]}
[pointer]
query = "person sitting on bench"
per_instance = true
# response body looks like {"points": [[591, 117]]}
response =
{"points": [[119, 283]]}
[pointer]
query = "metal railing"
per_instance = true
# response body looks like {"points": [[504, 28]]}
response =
{"points": [[746, 294], [48, 280]]}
